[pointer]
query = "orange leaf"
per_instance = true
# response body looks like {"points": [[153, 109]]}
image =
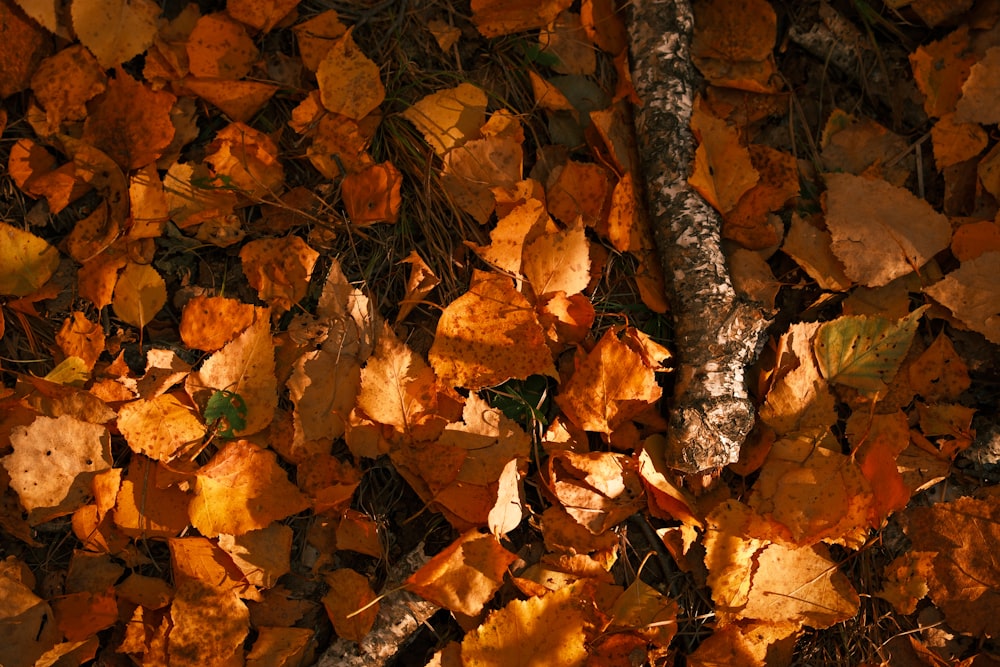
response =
{"points": [[25, 43], [260, 15], [465, 575], [240, 100], [242, 489], [808, 486], [149, 503], [65, 82], [877, 441], [558, 262], [279, 269], [397, 387], [316, 36], [723, 171], [970, 293], [263, 556], [130, 122], [503, 17], [246, 159], [220, 48], [372, 195], [349, 82], [598, 489], [489, 335], [350, 592], [210, 625], [611, 385], [899, 232], [209, 322], [755, 578], [161, 428], [578, 190]]}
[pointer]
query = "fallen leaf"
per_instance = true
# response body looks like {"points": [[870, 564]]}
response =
{"points": [[245, 366], [489, 335], [940, 68], [262, 555], [139, 294], [160, 428], [881, 232], [566, 40], [209, 625], [53, 463], [599, 490], [611, 385], [316, 36], [242, 489], [753, 577], [27, 261], [279, 269], [130, 121], [503, 17], [549, 630], [722, 170], [558, 262], [864, 352], [115, 31], [964, 579], [65, 81], [247, 160], [209, 322], [349, 82], [397, 387], [372, 194], [220, 48], [449, 117], [349, 593], [464, 576], [979, 90], [814, 491], [970, 293], [260, 15], [149, 503]]}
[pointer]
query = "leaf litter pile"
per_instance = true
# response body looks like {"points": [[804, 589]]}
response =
{"points": [[294, 291]]}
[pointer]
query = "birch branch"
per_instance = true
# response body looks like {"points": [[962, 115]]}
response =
{"points": [[717, 334]]}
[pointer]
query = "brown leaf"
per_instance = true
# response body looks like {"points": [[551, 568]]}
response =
{"points": [[881, 232], [964, 580]]}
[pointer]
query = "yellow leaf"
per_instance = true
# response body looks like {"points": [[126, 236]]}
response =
{"points": [[53, 463], [465, 575], [242, 489], [26, 261], [349, 82], [449, 117], [139, 294], [558, 262], [549, 630], [115, 30], [160, 428], [610, 386]]}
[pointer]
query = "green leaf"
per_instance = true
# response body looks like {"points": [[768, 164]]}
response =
{"points": [[228, 409], [864, 352]]}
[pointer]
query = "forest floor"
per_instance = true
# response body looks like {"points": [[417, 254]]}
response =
{"points": [[298, 315]]}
